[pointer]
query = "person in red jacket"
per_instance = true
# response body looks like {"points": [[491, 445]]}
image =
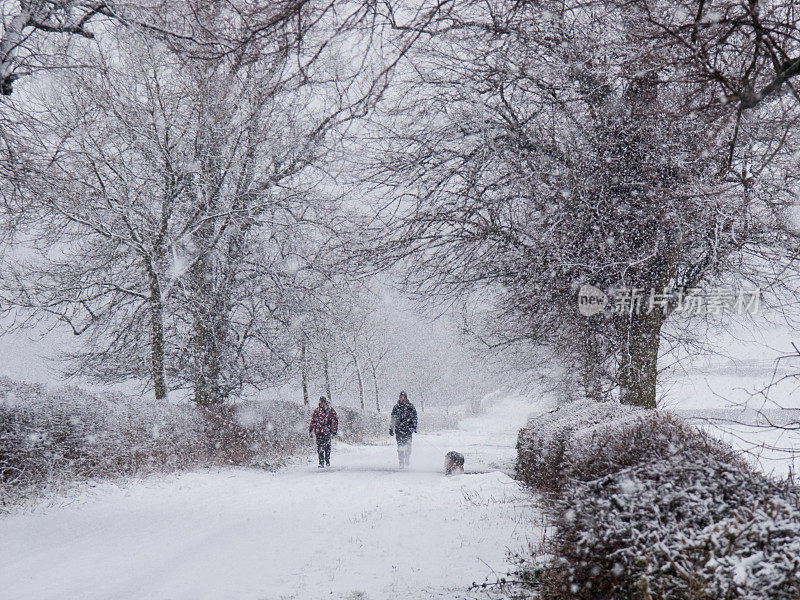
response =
{"points": [[324, 424]]}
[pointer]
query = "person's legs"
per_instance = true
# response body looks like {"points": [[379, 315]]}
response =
{"points": [[328, 451], [321, 449], [403, 450]]}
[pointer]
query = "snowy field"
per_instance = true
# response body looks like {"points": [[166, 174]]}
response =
{"points": [[361, 530], [772, 450], [750, 383]]}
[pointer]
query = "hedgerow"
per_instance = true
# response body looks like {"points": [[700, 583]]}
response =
{"points": [[53, 437], [646, 506]]}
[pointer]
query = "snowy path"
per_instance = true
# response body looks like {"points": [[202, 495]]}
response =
{"points": [[362, 530]]}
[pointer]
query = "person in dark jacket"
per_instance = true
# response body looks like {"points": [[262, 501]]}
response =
{"points": [[403, 425], [325, 425]]}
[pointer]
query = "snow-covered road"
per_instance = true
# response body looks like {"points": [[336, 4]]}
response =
{"points": [[362, 530]]}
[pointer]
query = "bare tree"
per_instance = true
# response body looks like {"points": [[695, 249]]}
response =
{"points": [[203, 168], [376, 348], [25, 21], [113, 229], [536, 148], [348, 330], [359, 378], [239, 30], [304, 372], [747, 52], [191, 213]]}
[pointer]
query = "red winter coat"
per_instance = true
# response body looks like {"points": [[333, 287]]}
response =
{"points": [[324, 421]]}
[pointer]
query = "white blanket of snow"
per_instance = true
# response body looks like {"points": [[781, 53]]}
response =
{"points": [[362, 530]]}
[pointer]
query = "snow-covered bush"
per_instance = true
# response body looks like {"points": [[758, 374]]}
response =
{"points": [[641, 439], [582, 441], [627, 535], [358, 426], [51, 437], [753, 554], [649, 507], [551, 442]]}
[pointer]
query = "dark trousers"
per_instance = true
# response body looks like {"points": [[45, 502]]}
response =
{"points": [[324, 448]]}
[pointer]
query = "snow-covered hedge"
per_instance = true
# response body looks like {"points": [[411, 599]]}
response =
{"points": [[51, 437], [585, 440], [551, 443], [753, 553], [649, 507]]}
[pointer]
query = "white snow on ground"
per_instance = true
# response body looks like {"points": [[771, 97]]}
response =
{"points": [[734, 395], [362, 530]]}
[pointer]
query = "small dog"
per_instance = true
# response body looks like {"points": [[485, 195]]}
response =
{"points": [[453, 463]]}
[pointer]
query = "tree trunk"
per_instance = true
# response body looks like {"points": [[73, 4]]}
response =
{"points": [[359, 379], [591, 365], [639, 367], [327, 376], [12, 39], [210, 329], [206, 386], [304, 373], [375, 381], [638, 372], [157, 335]]}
